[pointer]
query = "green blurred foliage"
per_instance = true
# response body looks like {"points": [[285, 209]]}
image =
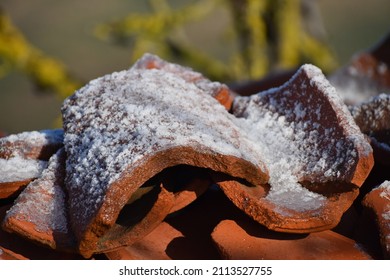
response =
{"points": [[267, 35], [46, 72]]}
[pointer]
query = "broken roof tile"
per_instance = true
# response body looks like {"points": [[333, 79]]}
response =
{"points": [[124, 128], [378, 202], [39, 213], [373, 118], [24, 156], [238, 240], [316, 155]]}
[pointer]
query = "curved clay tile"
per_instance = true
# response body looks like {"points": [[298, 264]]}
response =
{"points": [[123, 129], [316, 155], [32, 145], [377, 203], [169, 191], [143, 143], [17, 247], [6, 254], [240, 240], [185, 235], [39, 213]]}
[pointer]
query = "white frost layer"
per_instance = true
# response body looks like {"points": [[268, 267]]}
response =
{"points": [[40, 137], [118, 120], [186, 73], [385, 190], [355, 86], [385, 193], [19, 169], [15, 144], [42, 202], [295, 143], [282, 158], [373, 114]]}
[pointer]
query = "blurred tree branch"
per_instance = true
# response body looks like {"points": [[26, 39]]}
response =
{"points": [[17, 53], [270, 34], [154, 33]]}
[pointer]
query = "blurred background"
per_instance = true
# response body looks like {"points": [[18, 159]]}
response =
{"points": [[87, 39]]}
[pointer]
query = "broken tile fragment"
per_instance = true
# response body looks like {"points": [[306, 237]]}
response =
{"points": [[39, 145], [279, 217], [152, 247], [6, 254], [238, 240], [377, 205], [185, 234], [125, 128], [17, 172], [316, 155], [39, 213], [180, 186], [142, 145], [12, 189], [136, 220], [17, 247], [373, 118], [24, 156], [187, 183]]}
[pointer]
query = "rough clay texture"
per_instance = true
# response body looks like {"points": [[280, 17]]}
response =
{"points": [[378, 202], [153, 246], [12, 189], [217, 90], [373, 118], [258, 243], [39, 212], [123, 128], [306, 134], [24, 156], [278, 217], [31, 145], [373, 115]]}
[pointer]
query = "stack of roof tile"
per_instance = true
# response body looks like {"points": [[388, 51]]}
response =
{"points": [[158, 162]]}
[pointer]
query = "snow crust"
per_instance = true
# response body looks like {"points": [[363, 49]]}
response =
{"points": [[18, 141], [117, 121], [385, 194], [18, 169], [373, 114], [301, 137], [42, 202], [150, 61], [14, 166]]}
